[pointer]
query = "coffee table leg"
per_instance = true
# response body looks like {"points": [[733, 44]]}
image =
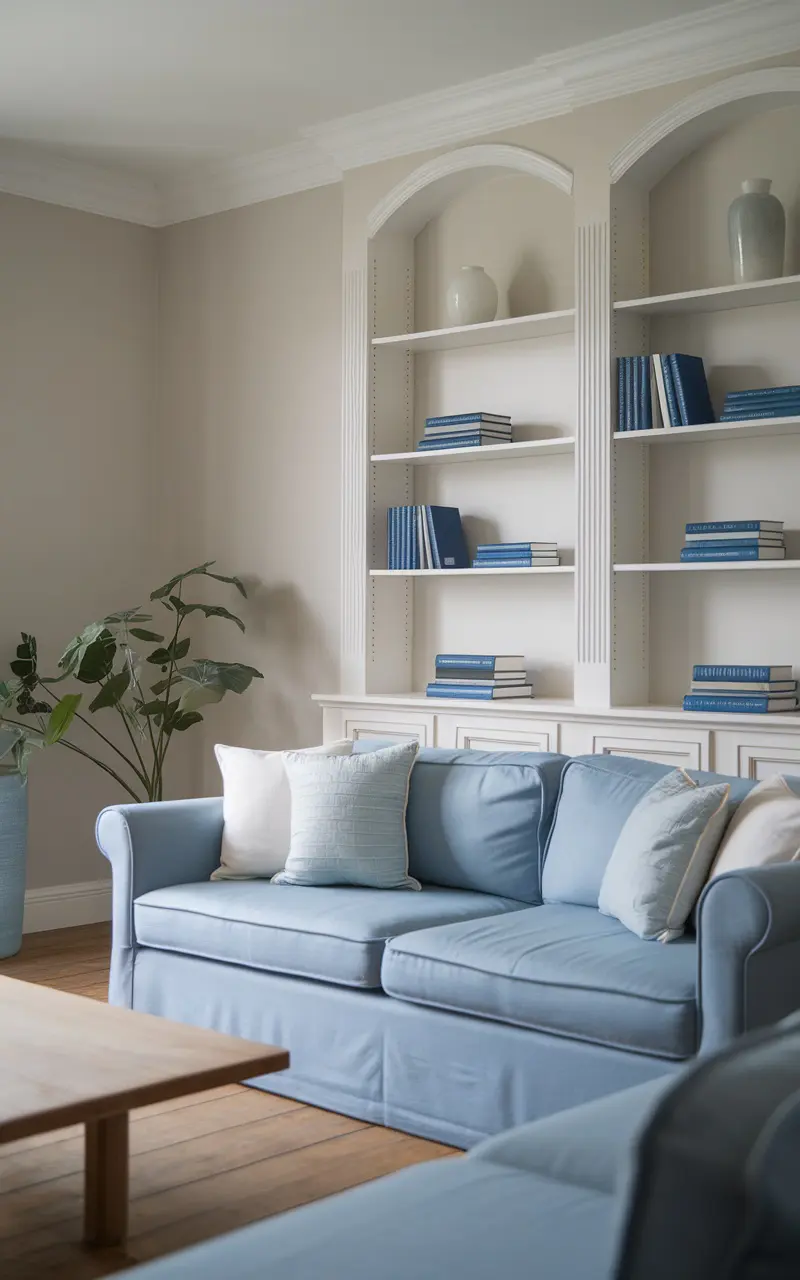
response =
{"points": [[105, 1220]]}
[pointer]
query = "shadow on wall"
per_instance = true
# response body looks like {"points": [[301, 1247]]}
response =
{"points": [[286, 641]]}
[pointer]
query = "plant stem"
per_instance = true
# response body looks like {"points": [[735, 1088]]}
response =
{"points": [[62, 742], [142, 777], [161, 749], [19, 724], [151, 780]]}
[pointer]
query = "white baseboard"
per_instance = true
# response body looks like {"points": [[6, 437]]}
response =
{"points": [[60, 906]]}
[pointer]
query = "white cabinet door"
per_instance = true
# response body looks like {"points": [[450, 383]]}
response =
{"points": [[399, 727], [679, 748], [496, 734], [757, 755]]}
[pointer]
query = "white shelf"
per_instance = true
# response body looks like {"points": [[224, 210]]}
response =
{"points": [[722, 298], [708, 566], [483, 453], [745, 430], [563, 709], [464, 573], [515, 329]]}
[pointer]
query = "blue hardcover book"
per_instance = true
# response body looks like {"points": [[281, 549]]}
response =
{"points": [[437, 690], [749, 540], [756, 403], [401, 538], [734, 526], [455, 418], [646, 423], [435, 560], [740, 674], [691, 389], [391, 520], [628, 392], [669, 392], [634, 392], [507, 548], [460, 442], [755, 393], [416, 556], [516, 562], [732, 553], [481, 661], [758, 415], [451, 546], [407, 561], [620, 393], [751, 705]]}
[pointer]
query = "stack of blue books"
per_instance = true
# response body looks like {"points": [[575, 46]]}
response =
{"points": [[466, 430], [768, 402], [516, 555], [755, 690], [662, 391], [734, 540], [425, 538], [480, 676]]}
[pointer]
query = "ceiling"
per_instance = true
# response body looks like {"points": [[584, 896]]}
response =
{"points": [[165, 87]]}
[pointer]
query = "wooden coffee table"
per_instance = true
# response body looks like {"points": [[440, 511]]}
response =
{"points": [[66, 1059]]}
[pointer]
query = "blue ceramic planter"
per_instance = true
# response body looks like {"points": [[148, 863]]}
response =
{"points": [[13, 844]]}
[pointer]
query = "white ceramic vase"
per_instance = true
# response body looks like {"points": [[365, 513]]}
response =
{"points": [[471, 297], [756, 233]]}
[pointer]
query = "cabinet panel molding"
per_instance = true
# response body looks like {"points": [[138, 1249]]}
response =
{"points": [[662, 745], [394, 728], [759, 760], [541, 736]]}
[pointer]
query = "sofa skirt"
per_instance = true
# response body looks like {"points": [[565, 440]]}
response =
{"points": [[438, 1075]]}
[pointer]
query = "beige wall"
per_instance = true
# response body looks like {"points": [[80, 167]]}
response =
{"points": [[78, 311], [250, 385]]}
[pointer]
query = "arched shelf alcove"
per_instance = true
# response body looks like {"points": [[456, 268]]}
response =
{"points": [[672, 291], [454, 209]]}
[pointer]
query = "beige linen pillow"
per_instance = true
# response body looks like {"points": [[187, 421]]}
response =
{"points": [[257, 810], [764, 830]]}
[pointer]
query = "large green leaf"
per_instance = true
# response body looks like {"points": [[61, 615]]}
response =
{"points": [[172, 653], [61, 717], [210, 610], [72, 656], [150, 637], [195, 697], [233, 676], [98, 659], [9, 692], [112, 691], [25, 664], [124, 617], [162, 592], [184, 720]]}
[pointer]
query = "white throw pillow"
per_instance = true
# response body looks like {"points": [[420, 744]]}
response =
{"points": [[257, 810], [765, 829]]}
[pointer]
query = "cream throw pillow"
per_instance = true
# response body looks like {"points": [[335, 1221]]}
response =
{"points": [[257, 810], [765, 829]]}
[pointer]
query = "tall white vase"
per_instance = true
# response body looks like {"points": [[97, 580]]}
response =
{"points": [[471, 297], [756, 233]]}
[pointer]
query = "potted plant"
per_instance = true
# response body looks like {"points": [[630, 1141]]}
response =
{"points": [[152, 695]]}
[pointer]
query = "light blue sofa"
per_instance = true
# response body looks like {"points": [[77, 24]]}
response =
{"points": [[497, 995], [694, 1177]]}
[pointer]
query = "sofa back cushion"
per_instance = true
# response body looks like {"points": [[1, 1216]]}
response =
{"points": [[479, 820], [596, 797]]}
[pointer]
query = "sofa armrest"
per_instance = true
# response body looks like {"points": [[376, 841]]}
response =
{"points": [[149, 847], [749, 951]]}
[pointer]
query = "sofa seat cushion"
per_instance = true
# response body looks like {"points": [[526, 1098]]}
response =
{"points": [[455, 1217], [588, 1145], [333, 934], [559, 969]]}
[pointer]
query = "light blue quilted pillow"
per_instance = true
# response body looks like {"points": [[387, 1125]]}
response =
{"points": [[349, 819], [662, 856]]}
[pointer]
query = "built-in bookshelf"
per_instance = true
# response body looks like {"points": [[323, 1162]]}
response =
{"points": [[612, 633]]}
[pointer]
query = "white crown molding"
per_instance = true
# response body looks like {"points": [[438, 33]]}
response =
{"points": [[112, 193], [726, 35], [700, 115], [466, 160], [62, 906], [298, 166]]}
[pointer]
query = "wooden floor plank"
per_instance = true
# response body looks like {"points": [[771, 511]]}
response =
{"points": [[200, 1165]]}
